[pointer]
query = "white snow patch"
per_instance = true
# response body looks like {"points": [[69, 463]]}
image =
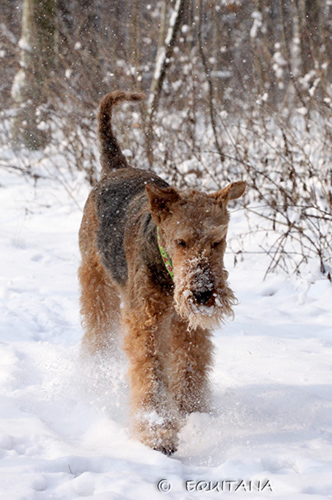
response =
{"points": [[64, 428]]}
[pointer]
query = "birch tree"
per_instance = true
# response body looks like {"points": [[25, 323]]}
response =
{"points": [[164, 56], [163, 62]]}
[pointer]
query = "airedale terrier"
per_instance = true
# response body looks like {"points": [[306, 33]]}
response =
{"points": [[158, 252]]}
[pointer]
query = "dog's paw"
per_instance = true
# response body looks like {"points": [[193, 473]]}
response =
{"points": [[164, 438], [160, 434], [166, 450]]}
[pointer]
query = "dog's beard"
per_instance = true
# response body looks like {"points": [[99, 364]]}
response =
{"points": [[209, 316]]}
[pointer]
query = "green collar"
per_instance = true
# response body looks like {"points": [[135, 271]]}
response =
{"points": [[166, 258]]}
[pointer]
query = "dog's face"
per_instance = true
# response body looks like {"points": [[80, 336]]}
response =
{"points": [[193, 228]]}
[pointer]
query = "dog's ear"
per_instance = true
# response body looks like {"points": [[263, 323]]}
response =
{"points": [[161, 200], [231, 192]]}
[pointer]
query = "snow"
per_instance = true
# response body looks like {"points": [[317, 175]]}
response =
{"points": [[257, 17], [64, 427], [24, 45], [16, 90]]}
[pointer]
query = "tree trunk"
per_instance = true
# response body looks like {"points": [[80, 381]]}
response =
{"points": [[135, 55], [31, 83], [89, 31], [163, 61], [209, 81], [310, 36]]}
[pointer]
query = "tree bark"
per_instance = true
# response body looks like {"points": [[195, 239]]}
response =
{"points": [[210, 83], [30, 87], [310, 33], [164, 56], [162, 64]]}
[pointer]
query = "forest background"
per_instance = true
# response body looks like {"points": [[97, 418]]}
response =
{"points": [[235, 89]]}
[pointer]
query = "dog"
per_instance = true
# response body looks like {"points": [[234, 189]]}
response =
{"points": [[152, 264]]}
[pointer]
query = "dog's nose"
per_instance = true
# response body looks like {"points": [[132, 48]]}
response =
{"points": [[202, 297]]}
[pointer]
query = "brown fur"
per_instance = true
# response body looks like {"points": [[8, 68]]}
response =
{"points": [[100, 303], [167, 324]]}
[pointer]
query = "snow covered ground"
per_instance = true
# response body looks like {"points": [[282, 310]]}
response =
{"points": [[63, 428]]}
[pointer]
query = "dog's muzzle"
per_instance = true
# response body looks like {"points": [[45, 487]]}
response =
{"points": [[202, 288]]}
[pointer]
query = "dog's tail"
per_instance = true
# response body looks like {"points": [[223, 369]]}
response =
{"points": [[111, 156]]}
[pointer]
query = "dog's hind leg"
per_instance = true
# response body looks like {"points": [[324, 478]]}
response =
{"points": [[100, 305], [100, 302]]}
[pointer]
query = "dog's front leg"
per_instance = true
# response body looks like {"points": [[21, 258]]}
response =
{"points": [[154, 415], [190, 364]]}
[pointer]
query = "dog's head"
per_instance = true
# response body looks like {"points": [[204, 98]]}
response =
{"points": [[193, 228]]}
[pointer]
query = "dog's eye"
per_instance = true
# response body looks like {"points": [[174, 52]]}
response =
{"points": [[181, 243], [215, 244]]}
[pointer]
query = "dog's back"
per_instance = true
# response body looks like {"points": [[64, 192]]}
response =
{"points": [[121, 202], [120, 193]]}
